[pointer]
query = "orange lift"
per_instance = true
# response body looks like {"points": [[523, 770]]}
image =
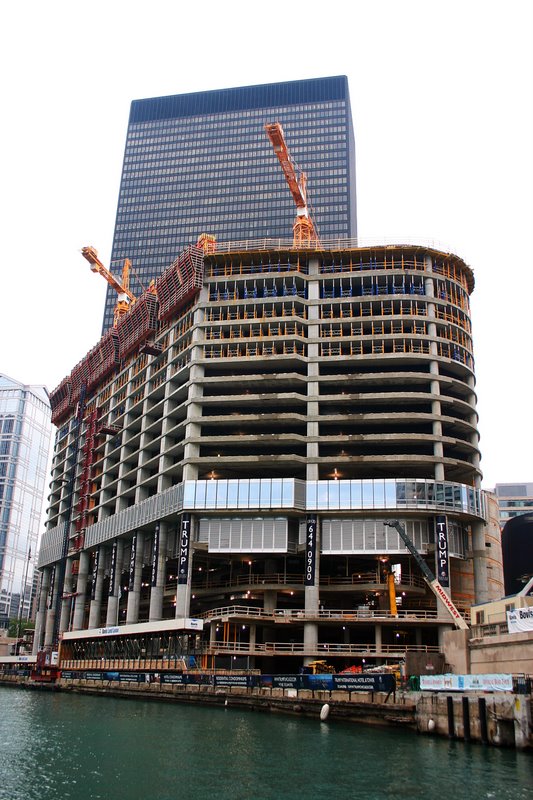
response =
{"points": [[125, 298], [305, 233]]}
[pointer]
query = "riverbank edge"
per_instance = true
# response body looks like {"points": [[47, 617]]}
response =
{"points": [[492, 719]]}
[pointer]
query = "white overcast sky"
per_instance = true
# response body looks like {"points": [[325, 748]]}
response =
{"points": [[441, 96]]}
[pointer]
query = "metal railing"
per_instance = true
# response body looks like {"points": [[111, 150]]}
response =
{"points": [[323, 648], [280, 578], [299, 615], [331, 244]]}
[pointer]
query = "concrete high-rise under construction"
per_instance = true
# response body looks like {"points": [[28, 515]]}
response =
{"points": [[230, 455], [200, 162], [269, 455]]}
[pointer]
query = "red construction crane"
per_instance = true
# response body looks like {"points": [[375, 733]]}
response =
{"points": [[305, 233], [125, 298]]}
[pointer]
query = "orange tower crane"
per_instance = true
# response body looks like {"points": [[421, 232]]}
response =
{"points": [[125, 298], [305, 233]]}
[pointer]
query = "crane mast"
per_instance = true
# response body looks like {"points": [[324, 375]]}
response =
{"points": [[429, 578], [125, 298], [304, 230]]}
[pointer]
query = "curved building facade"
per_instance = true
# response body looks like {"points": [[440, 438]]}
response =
{"points": [[237, 457]]}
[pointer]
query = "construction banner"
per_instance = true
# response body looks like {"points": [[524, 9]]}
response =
{"points": [[113, 570], [155, 554], [183, 556], [442, 554], [133, 555], [310, 551], [95, 574], [520, 620], [52, 585]]}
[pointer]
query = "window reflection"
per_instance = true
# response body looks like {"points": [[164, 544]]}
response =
{"points": [[254, 493], [265, 493], [233, 493], [276, 492], [340, 494], [368, 494], [288, 493]]}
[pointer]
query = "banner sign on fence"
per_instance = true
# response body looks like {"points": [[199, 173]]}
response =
{"points": [[170, 677], [520, 620], [466, 683], [286, 681], [233, 680], [377, 682]]}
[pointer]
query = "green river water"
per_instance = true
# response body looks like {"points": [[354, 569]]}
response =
{"points": [[59, 746]]}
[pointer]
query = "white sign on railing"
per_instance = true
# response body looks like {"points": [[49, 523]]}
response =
{"points": [[466, 683], [520, 620]]}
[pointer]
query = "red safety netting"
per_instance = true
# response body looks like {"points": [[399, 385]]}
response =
{"points": [[138, 324], [60, 400], [103, 358], [180, 281]]}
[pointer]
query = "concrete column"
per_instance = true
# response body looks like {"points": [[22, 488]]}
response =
{"points": [[40, 619], [66, 603], [270, 601], [113, 600], [157, 591], [212, 634], [441, 631], [134, 595], [378, 637], [95, 608], [253, 634], [481, 589], [436, 410], [194, 409], [81, 590], [51, 613], [313, 328]]}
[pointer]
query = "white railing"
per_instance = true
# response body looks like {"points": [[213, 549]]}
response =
{"points": [[324, 648], [332, 244], [300, 615]]}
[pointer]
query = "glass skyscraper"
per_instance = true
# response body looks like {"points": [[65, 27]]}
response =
{"points": [[25, 431], [202, 163]]}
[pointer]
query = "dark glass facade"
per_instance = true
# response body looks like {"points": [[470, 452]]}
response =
{"points": [[202, 163]]}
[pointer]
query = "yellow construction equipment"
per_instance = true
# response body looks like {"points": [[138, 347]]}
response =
{"points": [[125, 298], [392, 593], [305, 233], [320, 668]]}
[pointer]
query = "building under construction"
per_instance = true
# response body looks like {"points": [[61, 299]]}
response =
{"points": [[271, 459], [259, 393]]}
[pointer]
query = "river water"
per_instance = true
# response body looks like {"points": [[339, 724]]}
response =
{"points": [[59, 746]]}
